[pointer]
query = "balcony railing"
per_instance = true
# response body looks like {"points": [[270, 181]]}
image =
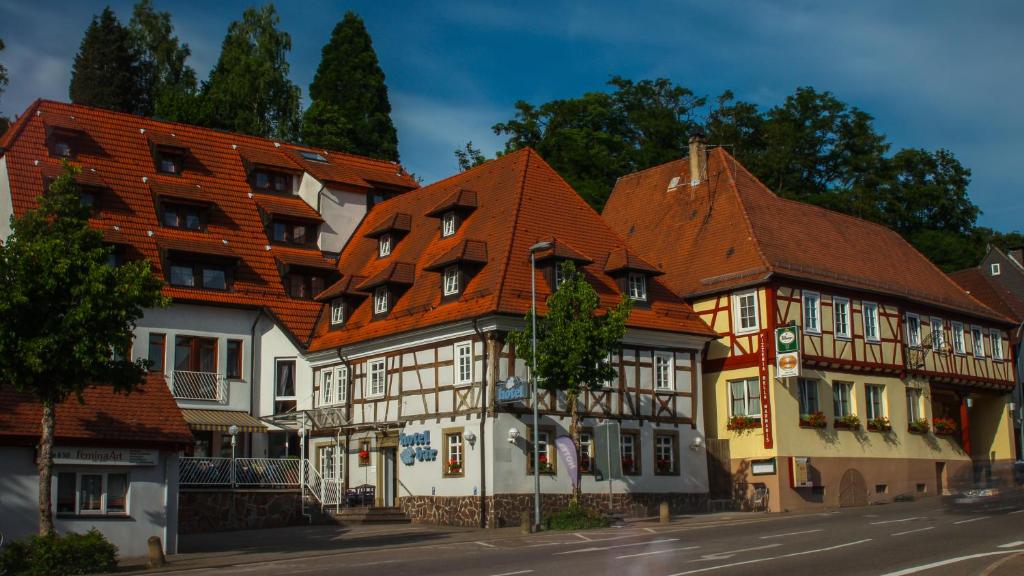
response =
{"points": [[243, 472], [186, 385]]}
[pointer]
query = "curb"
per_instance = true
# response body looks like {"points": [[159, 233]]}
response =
{"points": [[995, 566]]}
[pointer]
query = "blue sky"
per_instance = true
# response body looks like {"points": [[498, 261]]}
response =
{"points": [[936, 74]]}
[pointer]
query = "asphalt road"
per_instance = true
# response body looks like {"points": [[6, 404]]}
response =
{"points": [[891, 540]]}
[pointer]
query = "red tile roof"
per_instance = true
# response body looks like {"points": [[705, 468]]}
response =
{"points": [[148, 417], [623, 260], [731, 230], [195, 245], [991, 292], [397, 222], [290, 206], [470, 251], [119, 150], [521, 201], [306, 259], [183, 191], [86, 177]]}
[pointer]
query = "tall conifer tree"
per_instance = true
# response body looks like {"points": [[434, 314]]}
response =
{"points": [[107, 71], [350, 110], [166, 78], [4, 122]]}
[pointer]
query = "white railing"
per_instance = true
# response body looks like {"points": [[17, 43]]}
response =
{"points": [[186, 385], [327, 491], [242, 472]]}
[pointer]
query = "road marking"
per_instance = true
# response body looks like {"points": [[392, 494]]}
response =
{"points": [[1011, 544], [581, 536], [730, 553], [514, 573], [791, 534], [756, 560], [651, 530], [912, 531], [923, 567], [969, 520], [544, 544], [600, 548], [1017, 511], [898, 520], [667, 550], [487, 544]]}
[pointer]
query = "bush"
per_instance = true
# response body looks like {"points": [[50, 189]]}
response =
{"points": [[54, 555], [576, 517]]}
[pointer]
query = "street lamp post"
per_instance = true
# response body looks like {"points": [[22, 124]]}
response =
{"points": [[533, 376], [233, 430]]}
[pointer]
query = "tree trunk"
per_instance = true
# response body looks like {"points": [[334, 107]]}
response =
{"points": [[46, 469], [574, 433]]}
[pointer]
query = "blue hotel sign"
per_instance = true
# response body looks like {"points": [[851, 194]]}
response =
{"points": [[514, 389], [417, 447]]}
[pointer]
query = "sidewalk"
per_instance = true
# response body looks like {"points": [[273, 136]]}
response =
{"points": [[1012, 565]]}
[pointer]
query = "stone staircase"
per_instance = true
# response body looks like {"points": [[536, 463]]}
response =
{"points": [[368, 515]]}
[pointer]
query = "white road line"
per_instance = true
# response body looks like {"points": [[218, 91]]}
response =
{"points": [[912, 531], [651, 530], [756, 560], [1011, 544], [731, 553], [923, 567], [544, 544], [969, 520], [898, 520], [1017, 511], [792, 533], [581, 536], [514, 573], [487, 544], [667, 550], [600, 548]]}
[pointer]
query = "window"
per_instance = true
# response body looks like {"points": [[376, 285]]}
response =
{"points": [[168, 163], [284, 388], [293, 233], [745, 397], [913, 330], [637, 286], [380, 300], [545, 454], [272, 181], [959, 347], [375, 379], [978, 339], [337, 312], [451, 280], [315, 157], [341, 384], [996, 269], [185, 216], [808, 396], [812, 313], [304, 286], [938, 336], [464, 363], [329, 462], [871, 322], [586, 452], [92, 493], [157, 344], [997, 345], [61, 149], [449, 224], [614, 382], [913, 405], [745, 310], [875, 394], [630, 442], [87, 198], [195, 354], [453, 465], [559, 274], [384, 245], [842, 393], [841, 309], [327, 386], [663, 371], [665, 453], [234, 359], [199, 275]]}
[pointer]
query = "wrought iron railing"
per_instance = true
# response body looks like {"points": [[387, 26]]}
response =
{"points": [[240, 472], [327, 491], [188, 385]]}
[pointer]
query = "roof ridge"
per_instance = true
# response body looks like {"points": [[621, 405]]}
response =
{"points": [[739, 198], [515, 227], [1019, 265], [14, 130]]}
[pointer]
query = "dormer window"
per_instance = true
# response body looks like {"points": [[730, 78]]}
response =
{"points": [[451, 281], [87, 198], [60, 148], [199, 275], [337, 312], [168, 163], [559, 274], [292, 232], [304, 286], [384, 245], [449, 224], [186, 216], [637, 286], [381, 300], [268, 181]]}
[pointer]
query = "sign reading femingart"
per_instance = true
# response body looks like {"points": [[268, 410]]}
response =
{"points": [[104, 456]]}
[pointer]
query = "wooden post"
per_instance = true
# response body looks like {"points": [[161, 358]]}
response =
{"points": [[156, 552], [525, 526], [665, 516]]}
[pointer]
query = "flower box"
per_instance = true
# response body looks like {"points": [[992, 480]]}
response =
{"points": [[364, 457], [813, 420], [664, 467], [880, 424], [545, 466], [944, 426], [742, 424], [919, 426], [849, 422], [454, 467]]}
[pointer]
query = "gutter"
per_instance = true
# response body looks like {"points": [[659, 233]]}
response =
{"points": [[252, 367], [483, 429]]}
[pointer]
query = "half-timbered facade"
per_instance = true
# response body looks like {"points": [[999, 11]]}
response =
{"points": [[410, 369], [904, 377]]}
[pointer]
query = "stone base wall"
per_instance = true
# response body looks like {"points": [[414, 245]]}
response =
{"points": [[503, 510], [218, 510]]}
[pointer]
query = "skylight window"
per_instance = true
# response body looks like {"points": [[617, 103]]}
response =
{"points": [[315, 157]]}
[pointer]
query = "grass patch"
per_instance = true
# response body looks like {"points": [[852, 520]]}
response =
{"points": [[576, 517]]}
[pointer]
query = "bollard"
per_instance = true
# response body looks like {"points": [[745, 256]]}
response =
{"points": [[525, 526], [665, 516], [156, 552]]}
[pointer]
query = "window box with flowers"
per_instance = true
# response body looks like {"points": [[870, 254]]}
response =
{"points": [[454, 467], [545, 466], [880, 424], [629, 466], [664, 466], [848, 422], [364, 455], [919, 426], [742, 424], [813, 420], [944, 426]]}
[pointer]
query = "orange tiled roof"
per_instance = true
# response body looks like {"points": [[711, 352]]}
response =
{"points": [[991, 292], [520, 201], [274, 205], [119, 150], [731, 231]]}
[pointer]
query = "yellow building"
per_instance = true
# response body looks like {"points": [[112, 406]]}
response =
{"points": [[903, 379]]}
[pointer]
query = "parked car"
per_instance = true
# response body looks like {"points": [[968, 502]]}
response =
{"points": [[988, 493]]}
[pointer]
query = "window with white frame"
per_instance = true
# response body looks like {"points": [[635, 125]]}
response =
{"points": [[464, 363], [454, 463], [630, 443], [958, 338], [808, 396], [875, 396], [663, 371], [375, 378], [745, 312], [380, 300], [841, 310], [664, 453], [637, 286], [871, 322], [337, 312], [449, 223], [614, 382], [92, 493], [996, 270], [938, 335], [330, 463], [842, 397], [978, 340], [812, 312], [914, 411], [327, 386], [745, 396], [384, 245], [997, 344], [586, 452], [451, 280], [545, 455], [559, 274], [913, 330], [341, 384]]}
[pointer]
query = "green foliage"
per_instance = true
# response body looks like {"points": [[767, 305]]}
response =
{"points": [[54, 555], [469, 157], [4, 122], [576, 517], [107, 72], [248, 90], [350, 110], [165, 76]]}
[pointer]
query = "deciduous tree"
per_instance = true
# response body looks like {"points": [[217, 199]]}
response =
{"points": [[469, 157], [107, 72]]}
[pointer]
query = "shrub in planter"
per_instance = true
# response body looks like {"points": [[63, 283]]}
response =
{"points": [[576, 517], [454, 467], [919, 426], [57, 555], [813, 420], [742, 424], [849, 422], [944, 426], [880, 424]]}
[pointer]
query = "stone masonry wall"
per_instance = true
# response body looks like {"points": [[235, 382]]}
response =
{"points": [[218, 510]]}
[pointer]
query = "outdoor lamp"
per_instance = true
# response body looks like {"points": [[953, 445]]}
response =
{"points": [[513, 435], [471, 438], [697, 443], [233, 430]]}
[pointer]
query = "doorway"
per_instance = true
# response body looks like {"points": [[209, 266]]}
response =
{"points": [[390, 479]]}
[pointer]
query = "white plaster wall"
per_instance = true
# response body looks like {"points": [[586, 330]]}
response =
{"points": [[6, 202], [274, 344], [342, 212]]}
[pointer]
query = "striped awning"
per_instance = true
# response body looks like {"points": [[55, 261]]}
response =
{"points": [[221, 420]]}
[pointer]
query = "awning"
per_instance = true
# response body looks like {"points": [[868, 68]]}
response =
{"points": [[221, 420]]}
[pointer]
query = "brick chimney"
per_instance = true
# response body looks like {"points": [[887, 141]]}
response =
{"points": [[698, 159], [1016, 253]]}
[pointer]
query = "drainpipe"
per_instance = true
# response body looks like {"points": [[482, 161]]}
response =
{"points": [[483, 420], [252, 370]]}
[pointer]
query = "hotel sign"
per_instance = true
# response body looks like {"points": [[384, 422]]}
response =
{"points": [[104, 456], [513, 390]]}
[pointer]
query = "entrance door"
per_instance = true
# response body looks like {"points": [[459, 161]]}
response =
{"points": [[853, 491], [390, 480]]}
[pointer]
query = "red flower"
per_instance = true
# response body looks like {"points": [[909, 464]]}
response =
{"points": [[543, 459]]}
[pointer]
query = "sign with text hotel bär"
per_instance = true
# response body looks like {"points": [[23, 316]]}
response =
{"points": [[787, 352]]}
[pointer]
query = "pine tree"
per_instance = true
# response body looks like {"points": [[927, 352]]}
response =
{"points": [[249, 90], [4, 122], [166, 78], [350, 110], [107, 71]]}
